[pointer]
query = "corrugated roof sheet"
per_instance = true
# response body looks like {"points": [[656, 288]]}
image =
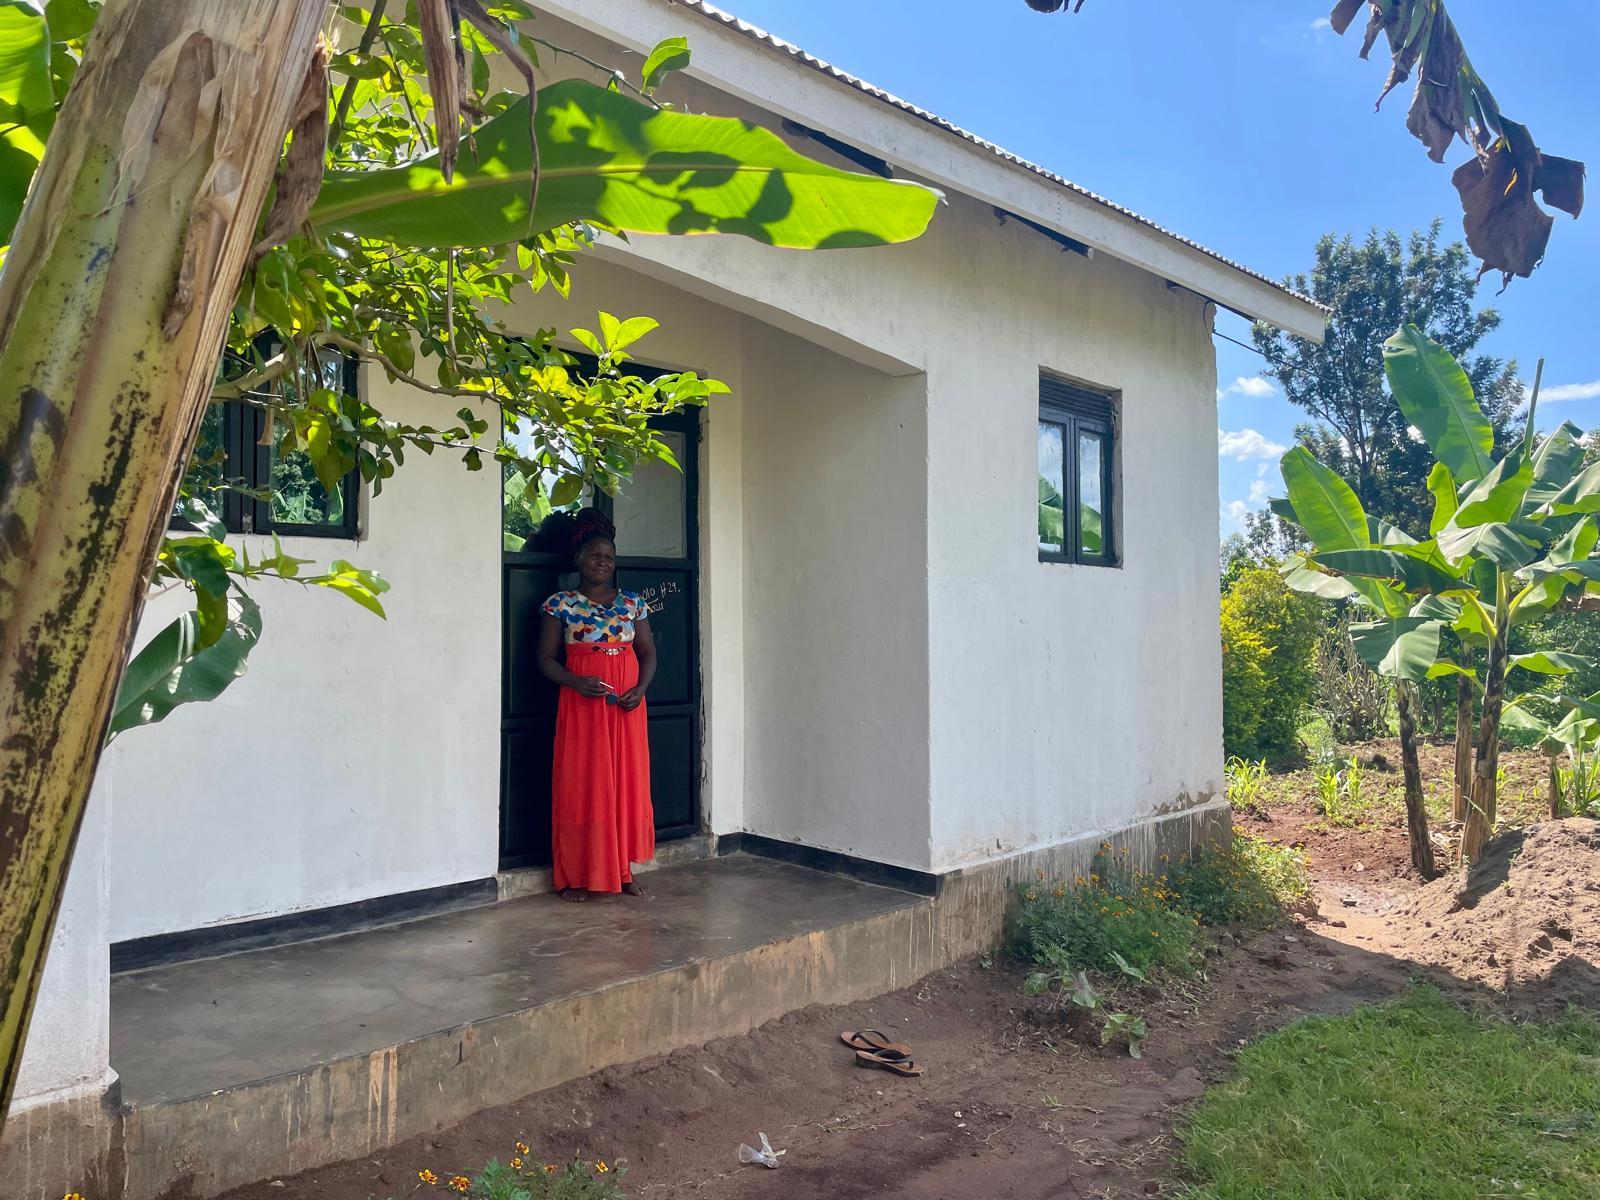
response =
{"points": [[756, 33]]}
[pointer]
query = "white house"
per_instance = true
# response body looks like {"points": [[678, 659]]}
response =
{"points": [[869, 663]]}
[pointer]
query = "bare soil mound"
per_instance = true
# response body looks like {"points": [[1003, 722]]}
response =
{"points": [[1524, 919]]}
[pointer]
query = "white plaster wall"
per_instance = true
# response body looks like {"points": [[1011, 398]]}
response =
{"points": [[836, 617], [1069, 699], [358, 757], [69, 1037]]}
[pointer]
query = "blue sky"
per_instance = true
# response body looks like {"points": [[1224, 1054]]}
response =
{"points": [[1250, 128]]}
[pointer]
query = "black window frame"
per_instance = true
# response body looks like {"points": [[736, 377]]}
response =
{"points": [[1078, 409], [249, 462]]}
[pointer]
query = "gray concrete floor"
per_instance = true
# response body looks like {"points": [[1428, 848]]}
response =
{"points": [[197, 1027]]}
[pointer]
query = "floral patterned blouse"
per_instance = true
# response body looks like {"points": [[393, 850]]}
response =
{"points": [[582, 620]]}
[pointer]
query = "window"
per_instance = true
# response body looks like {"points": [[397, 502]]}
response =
{"points": [[288, 498], [1077, 465]]}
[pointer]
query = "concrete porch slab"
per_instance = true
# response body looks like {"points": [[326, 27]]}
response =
{"points": [[275, 1060]]}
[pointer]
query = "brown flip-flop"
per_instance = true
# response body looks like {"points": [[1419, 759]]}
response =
{"points": [[898, 1066], [874, 1041]]}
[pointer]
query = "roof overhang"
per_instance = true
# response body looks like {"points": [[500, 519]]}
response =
{"points": [[779, 79]]}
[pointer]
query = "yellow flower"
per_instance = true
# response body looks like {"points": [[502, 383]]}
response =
{"points": [[73, 1196], [1155, 933], [550, 1168], [1031, 895], [427, 1177], [516, 1164], [522, 1147], [460, 1183], [601, 1167]]}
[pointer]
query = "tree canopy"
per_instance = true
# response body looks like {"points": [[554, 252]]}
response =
{"points": [[1374, 287]]}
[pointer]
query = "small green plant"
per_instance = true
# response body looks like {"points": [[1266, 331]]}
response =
{"points": [[1127, 1026], [523, 1178], [1246, 781], [1084, 999], [1579, 782], [1353, 780], [1248, 881], [1341, 794]]}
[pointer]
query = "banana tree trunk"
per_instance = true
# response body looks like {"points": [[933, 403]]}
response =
{"points": [[1463, 790], [1485, 773], [1553, 778], [114, 304], [1416, 810]]}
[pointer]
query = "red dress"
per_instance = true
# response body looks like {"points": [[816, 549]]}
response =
{"points": [[603, 821]]}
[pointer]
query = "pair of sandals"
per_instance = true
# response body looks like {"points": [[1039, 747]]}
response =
{"points": [[874, 1049]]}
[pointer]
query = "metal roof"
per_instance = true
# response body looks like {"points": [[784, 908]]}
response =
{"points": [[755, 33]]}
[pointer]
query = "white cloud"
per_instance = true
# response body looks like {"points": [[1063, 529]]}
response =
{"points": [[1244, 444], [1258, 492], [1568, 391], [1262, 469], [1253, 386], [1322, 23], [1235, 511]]}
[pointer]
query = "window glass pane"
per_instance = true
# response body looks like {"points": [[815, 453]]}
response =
{"points": [[1091, 501], [208, 467], [1052, 485], [298, 497], [650, 507], [526, 499]]}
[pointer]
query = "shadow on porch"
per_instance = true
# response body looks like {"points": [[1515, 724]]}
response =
{"points": [[270, 1061]]}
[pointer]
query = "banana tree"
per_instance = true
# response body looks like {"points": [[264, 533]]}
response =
{"points": [[1402, 640], [1510, 539], [156, 213]]}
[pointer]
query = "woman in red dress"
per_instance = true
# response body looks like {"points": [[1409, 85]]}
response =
{"points": [[603, 822]]}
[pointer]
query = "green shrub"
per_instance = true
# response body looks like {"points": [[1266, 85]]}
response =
{"points": [[1288, 625], [1113, 912], [1244, 685], [1248, 881]]}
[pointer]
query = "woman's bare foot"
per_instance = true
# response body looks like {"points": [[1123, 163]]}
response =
{"points": [[633, 889], [573, 895]]}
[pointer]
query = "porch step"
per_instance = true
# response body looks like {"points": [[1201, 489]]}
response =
{"points": [[276, 1060]]}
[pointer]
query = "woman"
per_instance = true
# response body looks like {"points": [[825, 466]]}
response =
{"points": [[603, 821]]}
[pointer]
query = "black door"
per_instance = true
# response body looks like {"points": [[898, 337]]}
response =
{"points": [[657, 556]]}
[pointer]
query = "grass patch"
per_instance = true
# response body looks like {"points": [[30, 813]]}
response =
{"points": [[1413, 1099]]}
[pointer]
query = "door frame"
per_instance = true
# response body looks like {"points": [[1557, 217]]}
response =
{"points": [[689, 422]]}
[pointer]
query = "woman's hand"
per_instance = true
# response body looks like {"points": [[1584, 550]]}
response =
{"points": [[589, 685], [631, 699]]}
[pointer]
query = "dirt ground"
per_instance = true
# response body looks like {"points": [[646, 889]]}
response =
{"points": [[1011, 1105]]}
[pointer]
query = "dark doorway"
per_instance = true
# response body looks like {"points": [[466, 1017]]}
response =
{"points": [[658, 555]]}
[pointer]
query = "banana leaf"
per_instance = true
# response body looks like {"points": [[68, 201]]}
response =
{"points": [[1400, 648], [1323, 504], [609, 158], [1406, 571], [1436, 396]]}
